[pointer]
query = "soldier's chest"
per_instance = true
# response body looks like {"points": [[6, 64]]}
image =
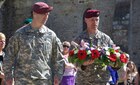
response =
{"points": [[36, 44]]}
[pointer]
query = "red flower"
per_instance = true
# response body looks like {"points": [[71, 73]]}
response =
{"points": [[113, 57], [123, 58], [95, 54], [82, 54], [71, 53]]}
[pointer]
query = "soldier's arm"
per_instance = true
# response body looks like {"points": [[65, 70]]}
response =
{"points": [[58, 67], [10, 55], [108, 40]]}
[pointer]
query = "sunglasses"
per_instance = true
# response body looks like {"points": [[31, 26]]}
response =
{"points": [[66, 46]]}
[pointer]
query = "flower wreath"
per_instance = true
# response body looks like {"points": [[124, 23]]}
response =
{"points": [[112, 56]]}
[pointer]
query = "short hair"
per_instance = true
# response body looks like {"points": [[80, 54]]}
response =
{"points": [[66, 43], [2, 35]]}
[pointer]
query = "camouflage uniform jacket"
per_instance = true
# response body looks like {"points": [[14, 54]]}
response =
{"points": [[34, 54], [93, 74]]}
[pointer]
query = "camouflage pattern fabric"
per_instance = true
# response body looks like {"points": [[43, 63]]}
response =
{"points": [[93, 74], [36, 52]]}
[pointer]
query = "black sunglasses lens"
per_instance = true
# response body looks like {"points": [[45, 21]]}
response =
{"points": [[65, 46]]}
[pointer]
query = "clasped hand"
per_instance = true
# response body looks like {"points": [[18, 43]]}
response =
{"points": [[88, 62]]}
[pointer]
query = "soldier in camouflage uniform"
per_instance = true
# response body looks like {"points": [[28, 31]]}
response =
{"points": [[34, 52], [92, 74]]}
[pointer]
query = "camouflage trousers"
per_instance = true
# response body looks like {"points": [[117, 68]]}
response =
{"points": [[92, 75], [24, 81]]}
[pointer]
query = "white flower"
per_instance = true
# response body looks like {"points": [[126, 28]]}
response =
{"points": [[92, 48], [107, 53], [117, 54], [116, 48], [106, 48], [75, 51], [88, 52], [84, 45]]}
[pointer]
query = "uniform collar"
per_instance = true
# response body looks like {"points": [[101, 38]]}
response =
{"points": [[97, 35], [42, 30]]}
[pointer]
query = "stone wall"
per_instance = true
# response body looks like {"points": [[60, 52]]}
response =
{"points": [[121, 23], [126, 27], [134, 31], [14, 13], [65, 19], [1, 20], [119, 19]]}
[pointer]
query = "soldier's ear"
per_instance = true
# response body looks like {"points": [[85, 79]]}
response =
{"points": [[85, 20]]}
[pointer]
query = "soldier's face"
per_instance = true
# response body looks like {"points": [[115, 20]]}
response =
{"points": [[45, 18], [41, 18], [92, 22]]}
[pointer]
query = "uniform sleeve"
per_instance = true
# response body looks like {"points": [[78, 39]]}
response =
{"points": [[110, 42], [10, 55], [58, 64]]}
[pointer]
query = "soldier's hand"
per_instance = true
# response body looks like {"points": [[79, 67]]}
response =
{"points": [[88, 62], [56, 81]]}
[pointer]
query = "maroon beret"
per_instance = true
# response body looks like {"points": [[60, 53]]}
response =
{"points": [[41, 8], [92, 13]]}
